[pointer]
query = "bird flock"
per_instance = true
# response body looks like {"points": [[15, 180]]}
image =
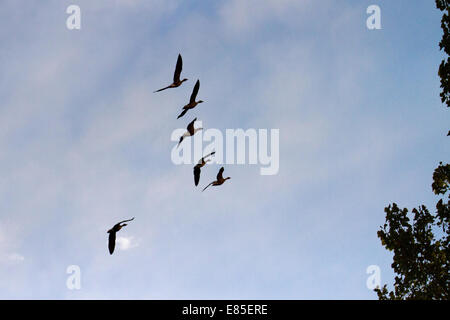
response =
{"points": [[191, 130]]}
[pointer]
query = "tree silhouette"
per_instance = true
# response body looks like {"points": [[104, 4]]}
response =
{"points": [[444, 44], [422, 249]]}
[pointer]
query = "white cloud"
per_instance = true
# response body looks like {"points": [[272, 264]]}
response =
{"points": [[126, 243]]}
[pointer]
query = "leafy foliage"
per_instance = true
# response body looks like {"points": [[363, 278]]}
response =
{"points": [[421, 247], [421, 261], [444, 44]]}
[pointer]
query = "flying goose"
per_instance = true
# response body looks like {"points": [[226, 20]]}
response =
{"points": [[192, 103], [176, 76], [220, 179], [200, 164], [190, 131], [112, 234]]}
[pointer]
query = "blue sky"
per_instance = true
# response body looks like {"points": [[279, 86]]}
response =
{"points": [[86, 143]]}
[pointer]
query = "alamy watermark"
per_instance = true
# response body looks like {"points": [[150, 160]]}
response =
{"points": [[73, 22], [374, 280], [373, 22], [73, 281], [238, 146]]}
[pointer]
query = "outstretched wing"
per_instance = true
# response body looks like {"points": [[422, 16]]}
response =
{"points": [[178, 68], [195, 91], [161, 89], [111, 242], [219, 175], [181, 140], [126, 220], [208, 186], [182, 113], [210, 154], [196, 175], [190, 127]]}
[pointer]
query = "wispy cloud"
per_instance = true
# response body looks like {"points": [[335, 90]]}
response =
{"points": [[7, 245], [242, 17], [15, 257]]}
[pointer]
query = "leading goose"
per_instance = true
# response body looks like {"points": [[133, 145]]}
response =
{"points": [[176, 76]]}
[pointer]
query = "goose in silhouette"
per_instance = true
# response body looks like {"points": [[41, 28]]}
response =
{"points": [[192, 103], [200, 164], [112, 234], [176, 76], [190, 131], [220, 179]]}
